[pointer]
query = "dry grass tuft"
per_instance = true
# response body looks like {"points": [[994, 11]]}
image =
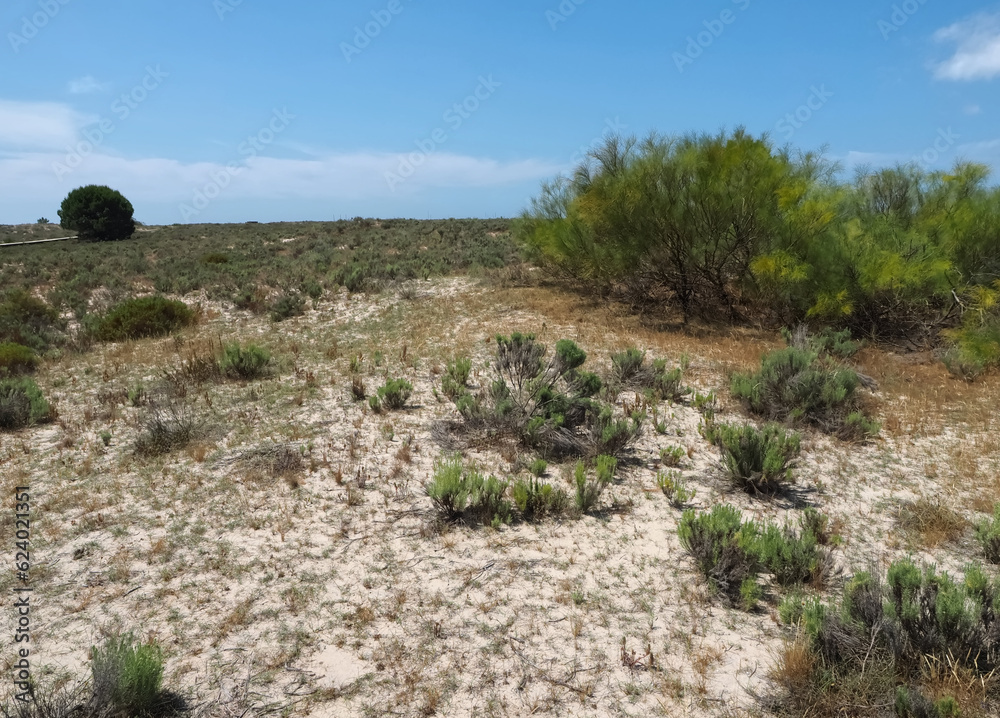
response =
{"points": [[930, 523]]}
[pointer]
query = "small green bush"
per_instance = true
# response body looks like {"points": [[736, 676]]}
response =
{"points": [[456, 377], [627, 364], [757, 460], [674, 488], [606, 468], [214, 258], [796, 386], [312, 289], [538, 467], [547, 406], [28, 321], [536, 500], [828, 341], [249, 362], [897, 627], [459, 370], [395, 393], [128, 675], [22, 404], [16, 359], [588, 491], [723, 547], [629, 371], [288, 306], [792, 558], [139, 318], [988, 535], [462, 494], [671, 456]]}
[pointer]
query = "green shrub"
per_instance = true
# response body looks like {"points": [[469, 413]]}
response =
{"points": [[538, 467], [536, 500], [626, 365], [899, 627], [252, 299], [828, 341], [547, 406], [611, 436], [16, 359], [628, 370], [723, 547], [757, 460], [795, 386], [456, 377], [22, 404], [395, 393], [139, 318], [588, 492], [28, 321], [792, 558], [312, 289], [97, 213], [215, 258], [287, 306], [462, 494], [127, 676], [249, 362], [606, 468], [674, 488], [671, 456], [988, 535]]}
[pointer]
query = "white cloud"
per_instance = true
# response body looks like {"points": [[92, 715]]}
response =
{"points": [[973, 110], [85, 86], [38, 125], [977, 56], [35, 139]]}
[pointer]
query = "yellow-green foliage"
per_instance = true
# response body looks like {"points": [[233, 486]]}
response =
{"points": [[728, 225]]}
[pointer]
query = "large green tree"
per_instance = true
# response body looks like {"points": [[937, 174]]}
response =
{"points": [[97, 213]]}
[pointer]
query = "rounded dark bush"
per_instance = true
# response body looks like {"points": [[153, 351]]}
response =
{"points": [[97, 213], [145, 317]]}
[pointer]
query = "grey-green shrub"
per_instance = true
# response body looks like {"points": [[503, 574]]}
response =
{"points": [[723, 547], [22, 404], [462, 494], [797, 386], [287, 306], [395, 393], [16, 359], [988, 535], [588, 492], [547, 406], [536, 500], [165, 428], [249, 362], [793, 558], [140, 318], [606, 467], [127, 675], [758, 460]]}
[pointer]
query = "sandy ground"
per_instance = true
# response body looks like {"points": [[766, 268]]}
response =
{"points": [[329, 591]]}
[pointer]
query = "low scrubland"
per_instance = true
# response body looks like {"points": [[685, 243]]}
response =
{"points": [[388, 467]]}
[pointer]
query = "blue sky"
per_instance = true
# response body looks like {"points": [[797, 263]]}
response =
{"points": [[230, 110]]}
